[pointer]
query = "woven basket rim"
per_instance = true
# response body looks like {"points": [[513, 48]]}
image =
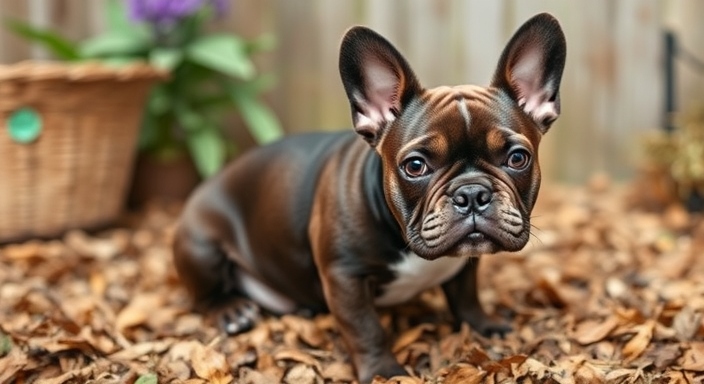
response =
{"points": [[30, 70]]}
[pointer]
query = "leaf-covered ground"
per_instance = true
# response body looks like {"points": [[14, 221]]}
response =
{"points": [[603, 293]]}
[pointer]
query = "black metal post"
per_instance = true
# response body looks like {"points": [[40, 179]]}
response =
{"points": [[670, 52]]}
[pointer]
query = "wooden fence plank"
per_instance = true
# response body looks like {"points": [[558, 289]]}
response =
{"points": [[13, 48], [638, 81], [482, 37], [684, 17], [335, 18]]}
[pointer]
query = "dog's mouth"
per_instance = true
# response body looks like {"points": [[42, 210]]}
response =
{"points": [[476, 237], [443, 233]]}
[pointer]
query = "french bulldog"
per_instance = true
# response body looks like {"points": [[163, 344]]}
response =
{"points": [[329, 221]]}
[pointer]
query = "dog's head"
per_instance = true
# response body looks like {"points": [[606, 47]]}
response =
{"points": [[460, 164]]}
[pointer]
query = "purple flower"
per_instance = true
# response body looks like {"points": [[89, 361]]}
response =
{"points": [[221, 7], [170, 11]]}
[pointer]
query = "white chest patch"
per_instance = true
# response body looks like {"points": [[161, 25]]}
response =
{"points": [[415, 274]]}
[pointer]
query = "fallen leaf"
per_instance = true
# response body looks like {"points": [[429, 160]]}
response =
{"points": [[531, 368], [30, 249], [296, 355], [12, 363], [305, 330], [686, 323], [640, 341], [591, 331], [464, 374], [141, 349], [660, 356], [398, 380], [137, 312], [411, 335], [693, 358], [617, 375], [210, 364], [302, 374], [248, 375], [588, 373], [337, 372]]}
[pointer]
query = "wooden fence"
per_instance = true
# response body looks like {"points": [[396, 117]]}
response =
{"points": [[612, 88]]}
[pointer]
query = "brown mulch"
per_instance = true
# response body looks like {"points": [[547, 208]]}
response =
{"points": [[604, 293]]}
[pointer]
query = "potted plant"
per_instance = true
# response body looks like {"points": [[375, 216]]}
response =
{"points": [[211, 75], [676, 160]]}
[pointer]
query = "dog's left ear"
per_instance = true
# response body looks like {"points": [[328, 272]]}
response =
{"points": [[377, 79], [530, 68]]}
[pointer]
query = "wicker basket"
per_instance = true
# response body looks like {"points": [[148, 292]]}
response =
{"points": [[75, 172]]}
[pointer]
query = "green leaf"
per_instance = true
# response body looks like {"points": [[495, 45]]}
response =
{"points": [[189, 119], [120, 61], [165, 58], [57, 45], [116, 16], [5, 344], [261, 121], [115, 44], [149, 378], [148, 132], [222, 53], [265, 42], [261, 84], [207, 149], [160, 100]]}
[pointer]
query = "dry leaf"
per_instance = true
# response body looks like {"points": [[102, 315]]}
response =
{"points": [[588, 373], [464, 374], [138, 311], [591, 331], [337, 372], [398, 380], [693, 359], [306, 330], [411, 336], [296, 355], [302, 374], [617, 375], [247, 375], [210, 364], [138, 350], [531, 368], [659, 356], [12, 363], [30, 249], [640, 341], [686, 323]]}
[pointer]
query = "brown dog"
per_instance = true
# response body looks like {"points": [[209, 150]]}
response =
{"points": [[328, 221]]}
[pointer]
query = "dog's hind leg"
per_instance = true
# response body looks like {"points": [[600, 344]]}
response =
{"points": [[213, 279]]}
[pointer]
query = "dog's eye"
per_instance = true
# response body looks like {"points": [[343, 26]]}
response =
{"points": [[415, 167], [518, 159]]}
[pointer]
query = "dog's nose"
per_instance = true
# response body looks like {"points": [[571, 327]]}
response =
{"points": [[472, 198]]}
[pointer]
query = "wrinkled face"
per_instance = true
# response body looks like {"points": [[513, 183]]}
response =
{"points": [[461, 172]]}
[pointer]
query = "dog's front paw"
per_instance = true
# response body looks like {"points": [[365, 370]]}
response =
{"points": [[239, 316]]}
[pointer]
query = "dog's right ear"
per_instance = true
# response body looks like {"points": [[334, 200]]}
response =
{"points": [[530, 68], [377, 79]]}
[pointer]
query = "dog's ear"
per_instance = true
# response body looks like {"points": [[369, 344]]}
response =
{"points": [[530, 68], [377, 79]]}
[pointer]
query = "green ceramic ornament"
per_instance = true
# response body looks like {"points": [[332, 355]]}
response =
{"points": [[24, 125]]}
